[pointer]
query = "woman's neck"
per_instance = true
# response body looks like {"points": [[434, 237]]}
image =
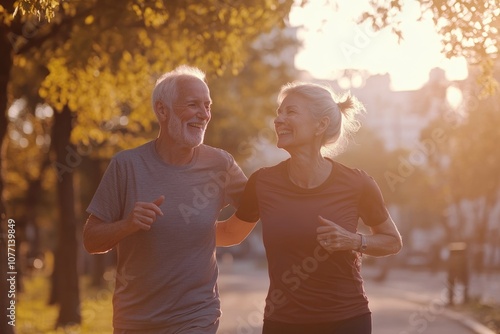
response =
{"points": [[308, 171]]}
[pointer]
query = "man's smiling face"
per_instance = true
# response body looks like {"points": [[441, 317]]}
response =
{"points": [[191, 112]]}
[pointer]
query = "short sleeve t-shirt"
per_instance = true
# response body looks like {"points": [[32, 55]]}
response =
{"points": [[166, 277], [307, 284]]}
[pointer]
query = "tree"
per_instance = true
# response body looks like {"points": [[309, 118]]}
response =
{"points": [[102, 58], [468, 28], [244, 103], [474, 167], [403, 182]]}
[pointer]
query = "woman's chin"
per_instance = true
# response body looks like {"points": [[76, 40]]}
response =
{"points": [[280, 145], [283, 146]]}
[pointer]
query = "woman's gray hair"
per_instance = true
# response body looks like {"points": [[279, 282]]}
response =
{"points": [[165, 89], [342, 110]]}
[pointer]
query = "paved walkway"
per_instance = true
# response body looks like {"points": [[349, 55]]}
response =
{"points": [[424, 284], [406, 302], [429, 292]]}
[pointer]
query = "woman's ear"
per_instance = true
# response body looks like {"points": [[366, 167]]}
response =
{"points": [[322, 125]]}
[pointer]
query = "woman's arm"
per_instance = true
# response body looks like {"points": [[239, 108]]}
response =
{"points": [[385, 238], [232, 231]]}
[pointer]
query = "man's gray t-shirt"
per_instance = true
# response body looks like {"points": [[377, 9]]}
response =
{"points": [[167, 276]]}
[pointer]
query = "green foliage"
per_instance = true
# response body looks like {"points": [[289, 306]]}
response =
{"points": [[468, 28], [367, 152], [484, 313], [402, 183], [463, 167], [474, 159], [244, 103], [27, 150], [40, 8], [102, 58]]}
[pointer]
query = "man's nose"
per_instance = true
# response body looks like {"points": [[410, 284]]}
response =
{"points": [[204, 113]]}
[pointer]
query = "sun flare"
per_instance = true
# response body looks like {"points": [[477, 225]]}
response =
{"points": [[334, 42]]}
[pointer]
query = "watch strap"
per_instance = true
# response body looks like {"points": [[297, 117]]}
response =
{"points": [[363, 246]]}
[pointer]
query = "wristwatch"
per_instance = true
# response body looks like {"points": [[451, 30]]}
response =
{"points": [[363, 246]]}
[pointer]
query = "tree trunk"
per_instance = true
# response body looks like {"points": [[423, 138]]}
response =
{"points": [[92, 178], [5, 68], [65, 275], [482, 229], [31, 232]]}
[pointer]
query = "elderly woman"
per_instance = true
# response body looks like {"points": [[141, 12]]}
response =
{"points": [[309, 206]]}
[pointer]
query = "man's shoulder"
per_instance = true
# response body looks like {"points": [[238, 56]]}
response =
{"points": [[132, 153], [207, 151]]}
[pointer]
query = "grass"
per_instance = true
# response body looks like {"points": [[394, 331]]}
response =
{"points": [[34, 316], [486, 314]]}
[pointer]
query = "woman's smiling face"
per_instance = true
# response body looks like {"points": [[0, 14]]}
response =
{"points": [[294, 124]]}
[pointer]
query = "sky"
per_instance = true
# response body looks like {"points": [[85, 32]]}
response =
{"points": [[333, 41]]}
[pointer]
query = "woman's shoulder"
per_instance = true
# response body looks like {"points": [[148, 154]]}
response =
{"points": [[277, 168], [269, 171], [351, 173]]}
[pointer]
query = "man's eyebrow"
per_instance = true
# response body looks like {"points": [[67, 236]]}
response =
{"points": [[290, 106], [189, 98], [195, 100]]}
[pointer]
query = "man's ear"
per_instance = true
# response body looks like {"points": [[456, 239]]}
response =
{"points": [[322, 126], [161, 111]]}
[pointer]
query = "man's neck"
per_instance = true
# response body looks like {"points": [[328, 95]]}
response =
{"points": [[173, 154]]}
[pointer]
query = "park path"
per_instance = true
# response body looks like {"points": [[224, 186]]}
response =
{"points": [[406, 302]]}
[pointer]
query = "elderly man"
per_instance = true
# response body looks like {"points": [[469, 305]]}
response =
{"points": [[158, 205]]}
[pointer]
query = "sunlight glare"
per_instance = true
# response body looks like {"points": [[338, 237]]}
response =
{"points": [[454, 97], [456, 68], [38, 264], [16, 108], [27, 127], [23, 142], [333, 42], [43, 111]]}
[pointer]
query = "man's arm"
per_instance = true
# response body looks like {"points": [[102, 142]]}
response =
{"points": [[233, 231], [100, 236]]}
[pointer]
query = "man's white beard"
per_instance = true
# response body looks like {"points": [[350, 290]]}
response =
{"points": [[183, 137]]}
